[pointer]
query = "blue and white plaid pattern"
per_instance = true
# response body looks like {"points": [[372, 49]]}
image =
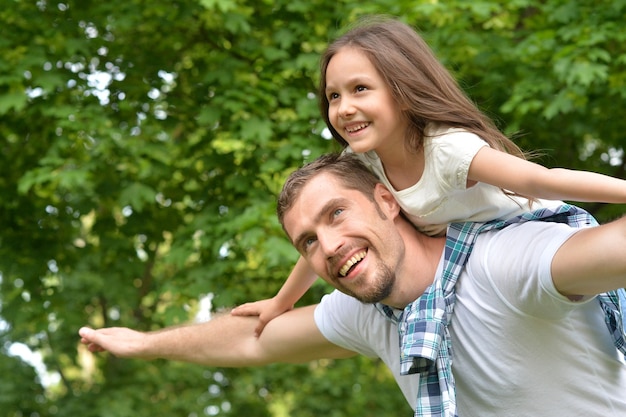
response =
{"points": [[425, 346]]}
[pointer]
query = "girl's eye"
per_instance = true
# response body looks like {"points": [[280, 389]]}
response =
{"points": [[360, 88], [332, 96]]}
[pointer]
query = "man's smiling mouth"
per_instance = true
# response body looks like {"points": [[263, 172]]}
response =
{"points": [[350, 263]]}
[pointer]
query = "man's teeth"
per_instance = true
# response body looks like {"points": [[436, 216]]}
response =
{"points": [[351, 262], [353, 129]]}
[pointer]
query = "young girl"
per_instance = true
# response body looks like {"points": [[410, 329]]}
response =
{"points": [[386, 97]]}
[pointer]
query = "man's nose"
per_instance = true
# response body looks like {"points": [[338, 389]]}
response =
{"points": [[330, 241]]}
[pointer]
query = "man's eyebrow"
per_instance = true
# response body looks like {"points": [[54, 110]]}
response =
{"points": [[330, 204]]}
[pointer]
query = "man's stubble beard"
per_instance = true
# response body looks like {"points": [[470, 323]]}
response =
{"points": [[384, 274], [380, 289]]}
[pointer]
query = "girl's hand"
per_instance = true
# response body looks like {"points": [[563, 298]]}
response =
{"points": [[266, 310]]}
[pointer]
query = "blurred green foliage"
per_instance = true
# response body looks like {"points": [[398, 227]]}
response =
{"points": [[142, 145]]}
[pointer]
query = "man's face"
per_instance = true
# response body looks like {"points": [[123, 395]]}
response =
{"points": [[349, 240]]}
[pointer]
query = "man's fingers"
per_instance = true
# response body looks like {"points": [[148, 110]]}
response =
{"points": [[92, 347], [85, 332], [87, 337]]}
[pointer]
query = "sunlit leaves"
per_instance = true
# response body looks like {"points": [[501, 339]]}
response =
{"points": [[142, 146]]}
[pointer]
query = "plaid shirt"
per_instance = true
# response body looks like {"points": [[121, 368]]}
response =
{"points": [[425, 346]]}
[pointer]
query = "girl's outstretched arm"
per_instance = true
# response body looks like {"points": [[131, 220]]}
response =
{"points": [[299, 281], [533, 180]]}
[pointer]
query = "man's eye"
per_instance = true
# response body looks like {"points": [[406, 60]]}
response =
{"points": [[337, 212], [307, 243]]}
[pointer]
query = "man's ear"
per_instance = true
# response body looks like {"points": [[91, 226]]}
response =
{"points": [[386, 200]]}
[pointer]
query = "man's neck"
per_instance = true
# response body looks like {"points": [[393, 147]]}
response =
{"points": [[421, 259]]}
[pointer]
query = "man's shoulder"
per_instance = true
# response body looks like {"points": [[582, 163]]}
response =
{"points": [[340, 303], [357, 326]]}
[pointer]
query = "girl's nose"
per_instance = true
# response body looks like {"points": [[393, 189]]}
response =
{"points": [[346, 108]]}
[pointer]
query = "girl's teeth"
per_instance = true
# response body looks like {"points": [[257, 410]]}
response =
{"points": [[356, 128]]}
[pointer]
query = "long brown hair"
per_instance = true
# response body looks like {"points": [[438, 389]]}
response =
{"points": [[420, 84]]}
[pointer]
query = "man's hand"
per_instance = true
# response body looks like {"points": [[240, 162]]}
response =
{"points": [[120, 341]]}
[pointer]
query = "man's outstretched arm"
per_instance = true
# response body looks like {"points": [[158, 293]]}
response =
{"points": [[225, 340], [592, 261]]}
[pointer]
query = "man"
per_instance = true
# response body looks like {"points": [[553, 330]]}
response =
{"points": [[527, 334]]}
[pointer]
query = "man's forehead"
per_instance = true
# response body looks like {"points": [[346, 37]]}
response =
{"points": [[311, 199], [323, 180], [324, 186], [316, 189]]}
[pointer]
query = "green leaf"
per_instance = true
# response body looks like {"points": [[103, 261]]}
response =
{"points": [[137, 196], [234, 82], [12, 101]]}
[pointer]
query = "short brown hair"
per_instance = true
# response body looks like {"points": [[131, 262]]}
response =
{"points": [[352, 173]]}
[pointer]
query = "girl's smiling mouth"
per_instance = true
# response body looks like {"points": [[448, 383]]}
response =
{"points": [[355, 128]]}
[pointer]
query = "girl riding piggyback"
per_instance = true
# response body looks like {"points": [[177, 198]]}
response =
{"points": [[386, 98]]}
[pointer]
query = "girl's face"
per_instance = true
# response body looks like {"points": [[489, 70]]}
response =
{"points": [[361, 107]]}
